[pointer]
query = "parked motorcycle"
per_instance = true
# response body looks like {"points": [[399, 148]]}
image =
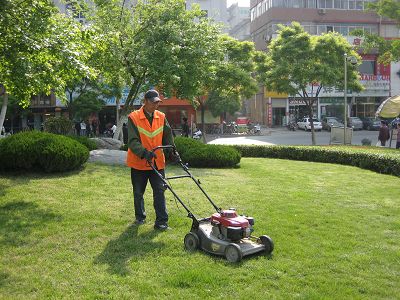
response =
{"points": [[255, 129], [197, 135], [292, 126]]}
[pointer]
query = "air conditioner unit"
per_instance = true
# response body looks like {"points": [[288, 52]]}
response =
{"points": [[267, 38], [322, 11]]}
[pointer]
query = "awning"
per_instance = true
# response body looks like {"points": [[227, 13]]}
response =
{"points": [[390, 108]]}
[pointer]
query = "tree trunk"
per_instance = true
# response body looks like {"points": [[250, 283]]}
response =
{"points": [[203, 125], [3, 110], [311, 113]]}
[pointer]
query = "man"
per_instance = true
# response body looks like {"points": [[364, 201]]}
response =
{"points": [[147, 129], [384, 133], [185, 128]]}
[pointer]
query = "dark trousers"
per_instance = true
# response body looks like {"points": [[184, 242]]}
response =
{"points": [[398, 145], [139, 180]]}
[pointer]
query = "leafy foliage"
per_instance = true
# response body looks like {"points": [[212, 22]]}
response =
{"points": [[389, 50], [34, 150], [58, 125], [155, 43], [233, 77], [41, 49], [199, 155]]}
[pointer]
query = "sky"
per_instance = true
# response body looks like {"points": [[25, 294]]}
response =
{"points": [[241, 2]]}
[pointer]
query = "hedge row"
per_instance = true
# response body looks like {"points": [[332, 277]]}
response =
{"points": [[200, 155], [34, 150], [386, 162]]}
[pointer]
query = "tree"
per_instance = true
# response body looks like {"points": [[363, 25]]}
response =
{"points": [[40, 50], [233, 77], [156, 43], [301, 65], [389, 50]]}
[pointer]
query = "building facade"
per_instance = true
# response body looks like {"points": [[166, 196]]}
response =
{"points": [[239, 22], [318, 17]]}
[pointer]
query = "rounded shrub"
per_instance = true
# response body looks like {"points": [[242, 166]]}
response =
{"points": [[197, 154], [90, 144], [34, 150]]}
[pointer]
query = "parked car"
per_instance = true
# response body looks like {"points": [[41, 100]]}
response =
{"points": [[371, 123], [355, 123], [329, 122], [306, 125]]}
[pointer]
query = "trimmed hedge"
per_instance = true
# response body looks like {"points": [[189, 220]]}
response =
{"points": [[34, 150], [90, 144], [200, 155], [386, 162]]}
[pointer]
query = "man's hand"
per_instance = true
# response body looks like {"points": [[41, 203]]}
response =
{"points": [[174, 156], [149, 155]]}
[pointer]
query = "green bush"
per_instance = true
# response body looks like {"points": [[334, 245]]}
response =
{"points": [[200, 155], [387, 162], [90, 144], [34, 150], [58, 125]]}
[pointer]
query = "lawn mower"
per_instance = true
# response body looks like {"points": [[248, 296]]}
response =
{"points": [[224, 233]]}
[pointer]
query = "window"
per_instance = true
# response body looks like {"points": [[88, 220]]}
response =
{"points": [[367, 67]]}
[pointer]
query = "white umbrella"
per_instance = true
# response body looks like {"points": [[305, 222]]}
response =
{"points": [[390, 108]]}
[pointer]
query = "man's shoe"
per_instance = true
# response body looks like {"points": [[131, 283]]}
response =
{"points": [[139, 222], [161, 227]]}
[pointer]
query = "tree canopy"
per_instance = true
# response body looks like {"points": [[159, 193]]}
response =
{"points": [[233, 77], [301, 64], [389, 49], [40, 50], [154, 43]]}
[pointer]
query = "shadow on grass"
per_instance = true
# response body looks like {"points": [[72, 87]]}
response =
{"points": [[129, 245], [19, 218]]}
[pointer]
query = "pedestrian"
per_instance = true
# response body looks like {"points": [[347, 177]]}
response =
{"points": [[83, 128], [94, 127], [148, 128], [113, 130], [398, 136], [88, 129], [77, 128], [185, 127], [125, 133], [384, 134]]}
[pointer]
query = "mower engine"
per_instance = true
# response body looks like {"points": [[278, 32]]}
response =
{"points": [[228, 225]]}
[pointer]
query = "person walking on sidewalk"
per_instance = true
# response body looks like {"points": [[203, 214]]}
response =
{"points": [[148, 128], [384, 133], [398, 136]]}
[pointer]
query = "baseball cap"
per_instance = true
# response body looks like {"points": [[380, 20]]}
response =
{"points": [[152, 96]]}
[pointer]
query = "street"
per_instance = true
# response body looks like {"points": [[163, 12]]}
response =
{"points": [[282, 136]]}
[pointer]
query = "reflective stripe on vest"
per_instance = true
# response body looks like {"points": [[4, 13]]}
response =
{"points": [[150, 136]]}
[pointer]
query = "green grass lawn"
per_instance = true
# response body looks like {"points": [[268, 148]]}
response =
{"points": [[336, 231]]}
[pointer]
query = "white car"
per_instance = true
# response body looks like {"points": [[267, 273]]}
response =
{"points": [[306, 125]]}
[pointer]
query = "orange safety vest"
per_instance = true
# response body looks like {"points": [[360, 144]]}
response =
{"points": [[150, 136]]}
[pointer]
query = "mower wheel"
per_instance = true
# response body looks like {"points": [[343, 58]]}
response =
{"points": [[233, 253], [191, 242], [268, 243]]}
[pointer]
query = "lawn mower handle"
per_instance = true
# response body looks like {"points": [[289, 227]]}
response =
{"points": [[188, 174]]}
